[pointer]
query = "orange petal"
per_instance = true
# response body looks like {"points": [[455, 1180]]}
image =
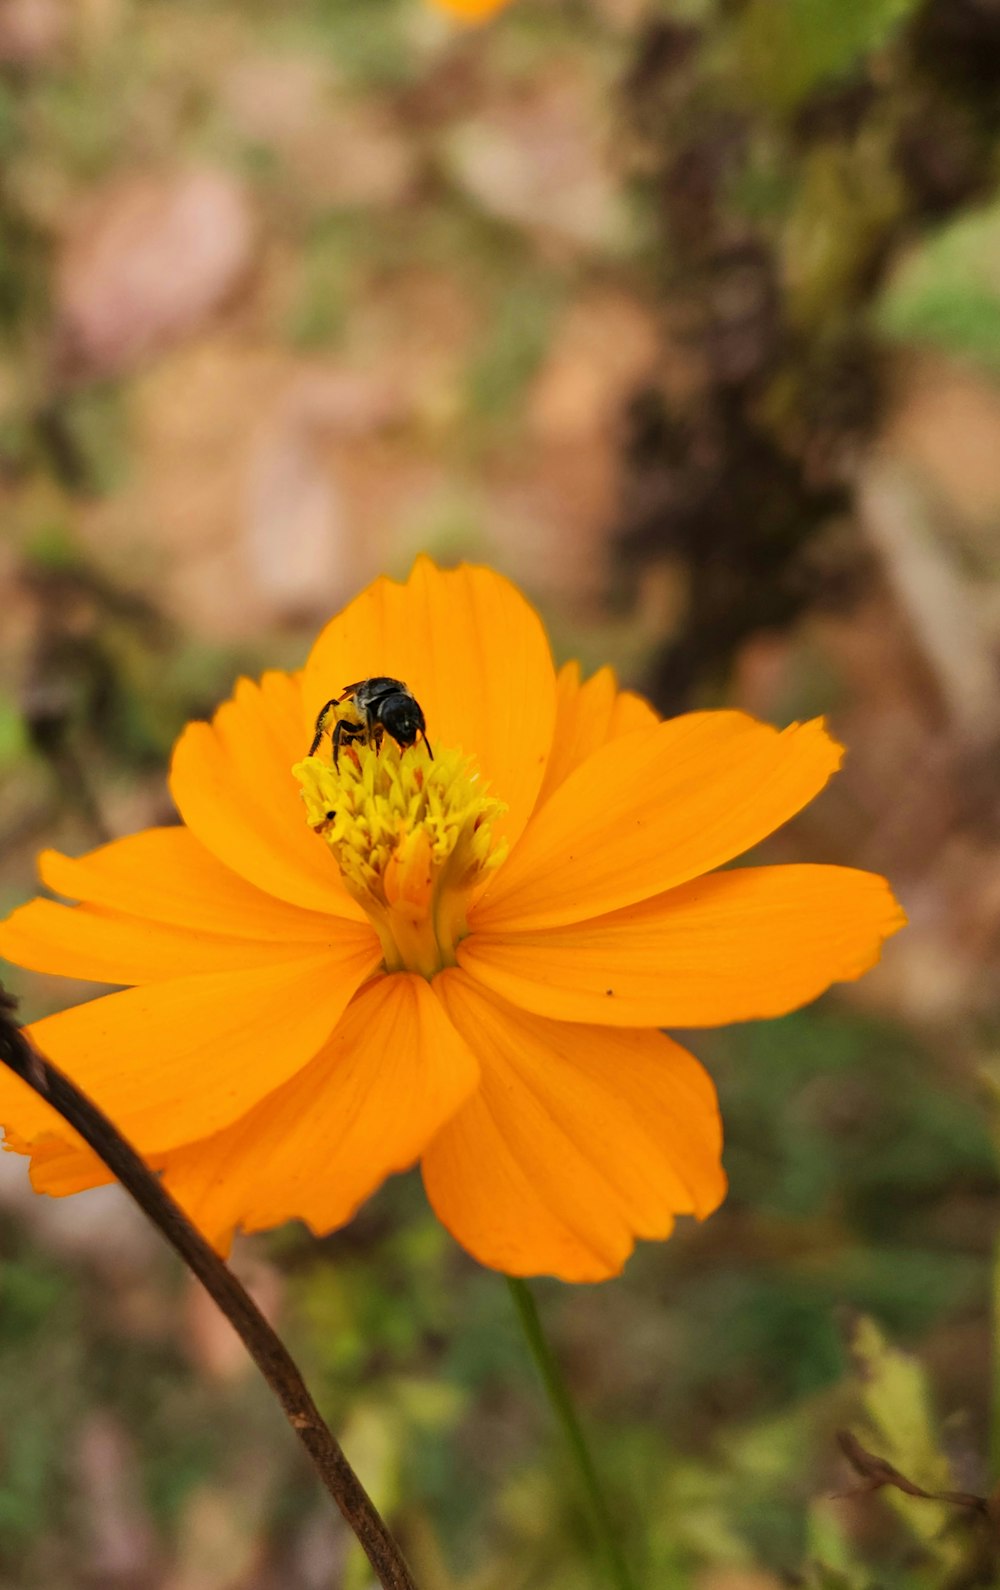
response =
{"points": [[577, 1141], [61, 1166], [474, 654], [651, 810], [631, 712], [392, 1073], [233, 785], [166, 875], [588, 715], [106, 947], [175, 1061], [583, 717], [758, 941]]}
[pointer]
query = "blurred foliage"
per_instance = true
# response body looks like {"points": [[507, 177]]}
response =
{"points": [[714, 1377], [946, 293], [784, 53], [796, 156]]}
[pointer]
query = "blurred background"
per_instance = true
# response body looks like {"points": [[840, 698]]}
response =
{"points": [[687, 316]]}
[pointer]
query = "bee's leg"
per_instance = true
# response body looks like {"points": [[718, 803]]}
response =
{"points": [[340, 731], [321, 722], [373, 730], [427, 743]]}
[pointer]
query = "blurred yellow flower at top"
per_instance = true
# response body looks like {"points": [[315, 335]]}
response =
{"points": [[460, 958], [470, 10]]}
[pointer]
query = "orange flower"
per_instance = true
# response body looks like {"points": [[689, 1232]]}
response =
{"points": [[471, 11], [462, 961]]}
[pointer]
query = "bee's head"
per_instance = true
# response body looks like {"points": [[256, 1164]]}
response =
{"points": [[402, 718]]}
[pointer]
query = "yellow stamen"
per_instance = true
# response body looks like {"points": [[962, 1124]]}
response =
{"points": [[413, 840]]}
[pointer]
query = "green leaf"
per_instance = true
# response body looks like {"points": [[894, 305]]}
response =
{"points": [[787, 49], [13, 741], [373, 1434], [832, 1562], [947, 293], [896, 1398]]}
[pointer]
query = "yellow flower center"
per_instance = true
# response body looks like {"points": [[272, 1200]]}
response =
{"points": [[413, 840]]}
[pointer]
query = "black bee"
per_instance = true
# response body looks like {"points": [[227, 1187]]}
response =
{"points": [[368, 710]]}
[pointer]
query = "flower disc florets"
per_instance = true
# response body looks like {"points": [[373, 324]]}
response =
{"points": [[413, 839]]}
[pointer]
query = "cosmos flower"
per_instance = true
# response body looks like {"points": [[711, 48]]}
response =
{"points": [[459, 955], [471, 11]]}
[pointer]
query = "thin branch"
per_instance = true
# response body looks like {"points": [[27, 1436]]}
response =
{"points": [[262, 1343], [877, 1473]]}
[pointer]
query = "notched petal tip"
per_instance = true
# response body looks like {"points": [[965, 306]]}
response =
{"points": [[708, 1198], [882, 918], [48, 864], [577, 1142], [818, 730]]}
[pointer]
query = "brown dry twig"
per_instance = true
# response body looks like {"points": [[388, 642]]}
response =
{"points": [[878, 1473], [977, 1517], [265, 1347]]}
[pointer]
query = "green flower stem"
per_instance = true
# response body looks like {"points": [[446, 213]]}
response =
{"points": [[562, 1407], [995, 1398]]}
